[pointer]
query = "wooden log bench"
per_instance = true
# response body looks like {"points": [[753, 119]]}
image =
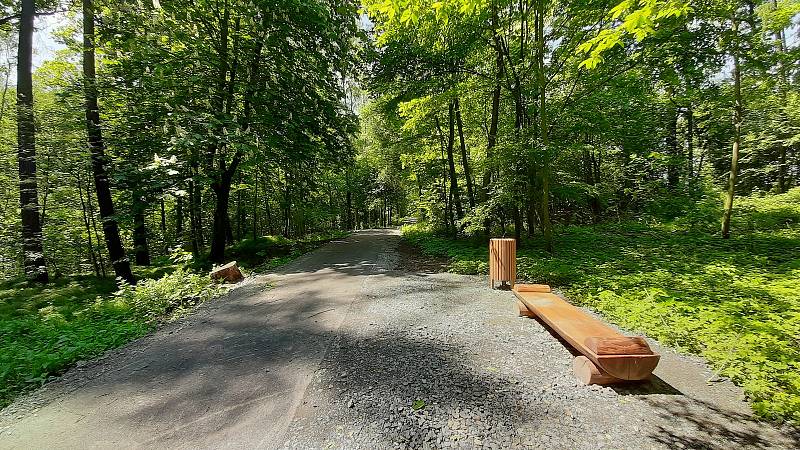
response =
{"points": [[607, 356]]}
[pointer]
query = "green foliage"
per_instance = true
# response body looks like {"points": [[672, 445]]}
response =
{"points": [[736, 302], [269, 252], [44, 330], [636, 18], [169, 296]]}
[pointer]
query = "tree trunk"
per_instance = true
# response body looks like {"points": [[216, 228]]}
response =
{"points": [[5, 90], [194, 214], [222, 183], [228, 230], [783, 83], [530, 216], [240, 218], [547, 228], [673, 167], [116, 252], [464, 156], [86, 222], [451, 162], [737, 137], [268, 209], [163, 208], [140, 245], [179, 220], [33, 253], [97, 239], [287, 206], [690, 141], [222, 191], [493, 125], [349, 210], [348, 201], [255, 207], [448, 213]]}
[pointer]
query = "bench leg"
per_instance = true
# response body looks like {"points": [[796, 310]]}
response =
{"points": [[524, 311], [588, 373]]}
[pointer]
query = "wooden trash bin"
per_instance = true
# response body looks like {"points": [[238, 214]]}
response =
{"points": [[502, 261]]}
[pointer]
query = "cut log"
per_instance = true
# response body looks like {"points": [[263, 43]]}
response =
{"points": [[230, 273], [533, 288], [627, 367], [618, 346], [524, 311], [611, 353], [588, 373]]}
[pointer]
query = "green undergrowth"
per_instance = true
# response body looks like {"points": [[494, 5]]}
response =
{"points": [[269, 252], [736, 302]]}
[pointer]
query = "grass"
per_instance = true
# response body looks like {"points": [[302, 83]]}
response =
{"points": [[44, 330], [736, 302]]}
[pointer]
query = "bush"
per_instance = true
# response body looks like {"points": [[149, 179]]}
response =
{"points": [[268, 252], [169, 295]]}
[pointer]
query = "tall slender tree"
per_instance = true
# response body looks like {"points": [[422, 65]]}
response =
{"points": [[454, 191], [116, 251], [464, 156], [738, 112], [34, 262]]}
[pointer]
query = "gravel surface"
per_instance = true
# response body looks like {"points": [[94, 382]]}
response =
{"points": [[365, 345]]}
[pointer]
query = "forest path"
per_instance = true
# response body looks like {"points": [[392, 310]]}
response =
{"points": [[357, 345]]}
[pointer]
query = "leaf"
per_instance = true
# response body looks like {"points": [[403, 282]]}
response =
{"points": [[617, 11]]}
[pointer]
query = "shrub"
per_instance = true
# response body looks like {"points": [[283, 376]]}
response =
{"points": [[171, 294]]}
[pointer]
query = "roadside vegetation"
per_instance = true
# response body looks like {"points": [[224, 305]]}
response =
{"points": [[44, 330], [736, 302]]}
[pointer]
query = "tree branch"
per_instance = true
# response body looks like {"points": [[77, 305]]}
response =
{"points": [[9, 19]]}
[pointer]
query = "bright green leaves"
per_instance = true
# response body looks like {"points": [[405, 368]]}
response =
{"points": [[595, 47], [636, 18], [775, 18], [395, 15]]}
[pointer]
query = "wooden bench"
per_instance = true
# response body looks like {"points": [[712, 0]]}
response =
{"points": [[607, 356]]}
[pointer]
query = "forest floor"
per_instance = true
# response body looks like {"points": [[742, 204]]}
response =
{"points": [[365, 344]]}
